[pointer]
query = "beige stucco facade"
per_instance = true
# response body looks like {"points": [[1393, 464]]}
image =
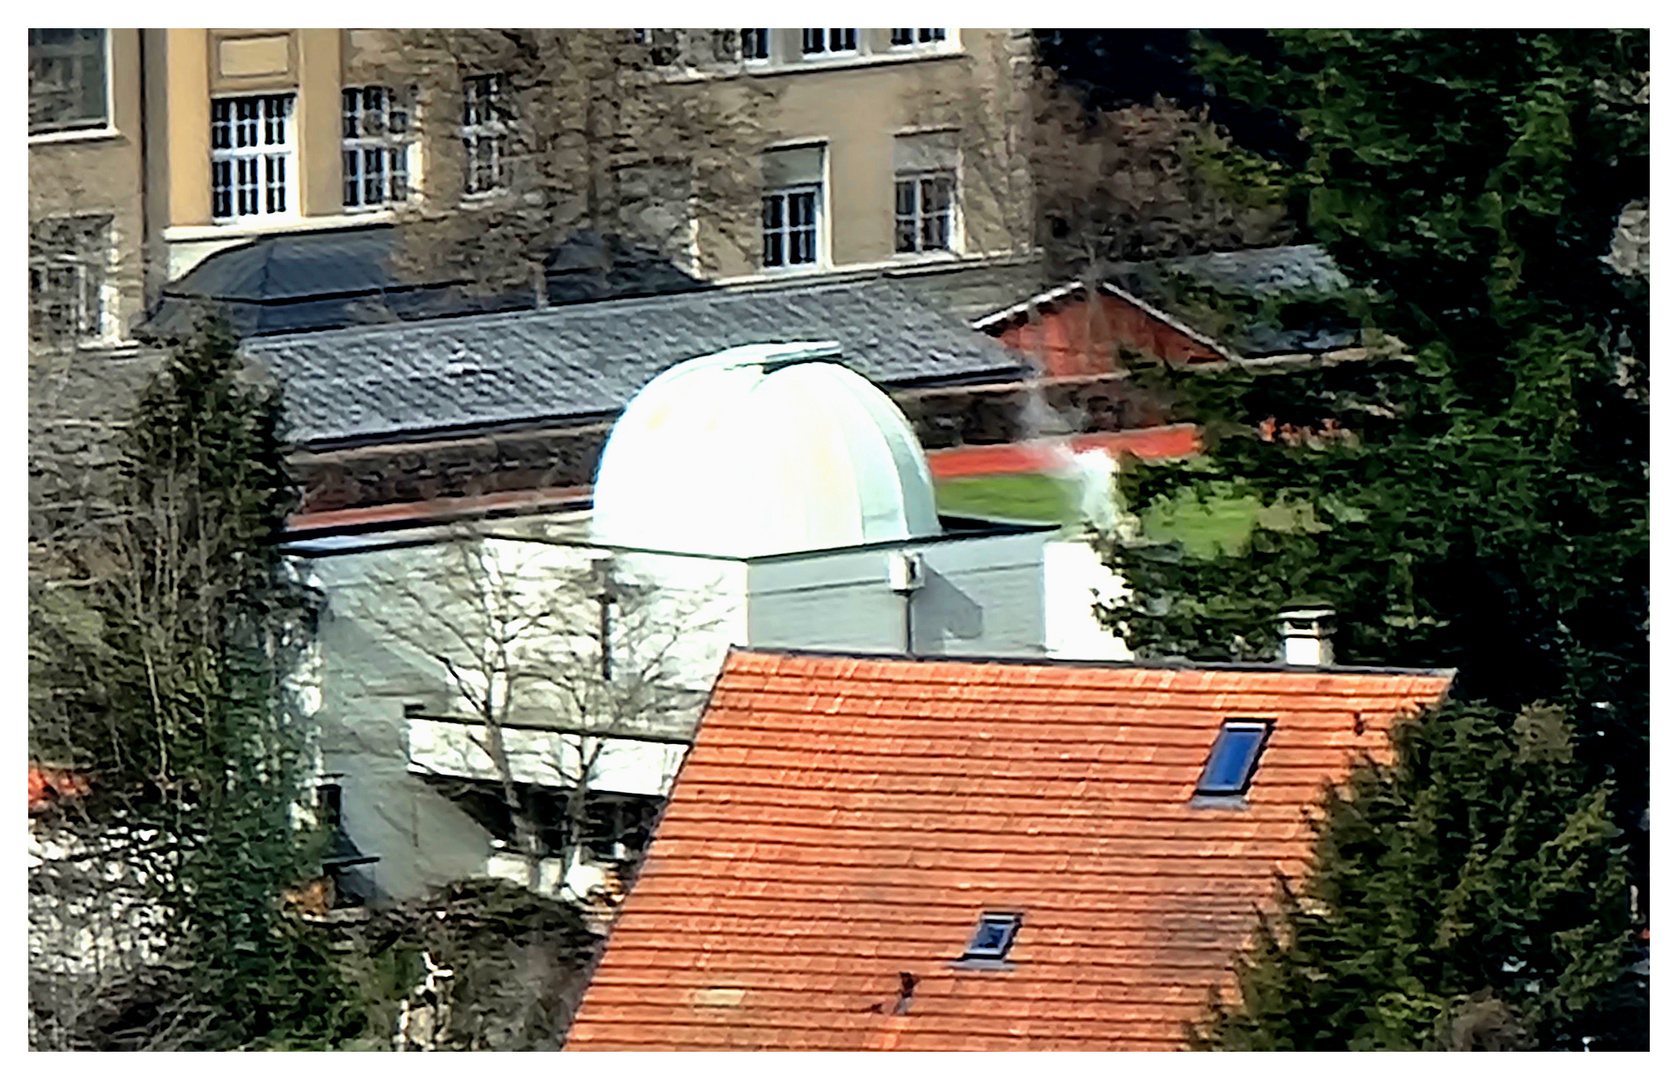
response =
{"points": [[854, 106], [99, 171]]}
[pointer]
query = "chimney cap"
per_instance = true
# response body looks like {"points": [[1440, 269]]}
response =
{"points": [[1303, 614]]}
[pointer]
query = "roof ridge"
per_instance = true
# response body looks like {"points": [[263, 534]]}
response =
{"points": [[1256, 666]]}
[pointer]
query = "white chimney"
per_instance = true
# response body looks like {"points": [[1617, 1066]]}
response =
{"points": [[1306, 634]]}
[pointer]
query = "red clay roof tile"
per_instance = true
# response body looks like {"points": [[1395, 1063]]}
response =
{"points": [[842, 820]]}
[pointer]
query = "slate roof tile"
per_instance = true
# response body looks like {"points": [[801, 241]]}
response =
{"points": [[459, 374], [809, 856]]}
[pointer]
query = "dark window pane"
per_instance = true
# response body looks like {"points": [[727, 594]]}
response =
{"points": [[351, 130], [772, 212], [905, 234], [374, 185], [902, 37], [1230, 765], [771, 249], [905, 197], [803, 246], [993, 938], [814, 41], [352, 184], [801, 209]]}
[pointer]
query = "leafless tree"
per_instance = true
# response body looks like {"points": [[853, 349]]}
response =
{"points": [[551, 640], [1142, 182], [536, 136]]}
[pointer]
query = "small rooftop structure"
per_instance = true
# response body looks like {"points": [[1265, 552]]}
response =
{"points": [[866, 853], [758, 450]]}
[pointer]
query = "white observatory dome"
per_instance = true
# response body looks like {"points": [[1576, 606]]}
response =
{"points": [[762, 450]]}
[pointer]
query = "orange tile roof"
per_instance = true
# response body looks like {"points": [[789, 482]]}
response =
{"points": [[843, 820]]}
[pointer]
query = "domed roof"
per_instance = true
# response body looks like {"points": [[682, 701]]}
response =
{"points": [[761, 450]]}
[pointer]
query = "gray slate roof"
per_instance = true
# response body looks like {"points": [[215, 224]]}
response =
{"points": [[1262, 274], [398, 381], [297, 282]]}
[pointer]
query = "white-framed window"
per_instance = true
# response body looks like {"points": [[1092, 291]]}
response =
{"points": [[927, 209], [909, 38], [483, 133], [69, 279], [68, 80], [828, 42], [792, 207], [754, 45], [792, 226], [251, 157], [378, 148]]}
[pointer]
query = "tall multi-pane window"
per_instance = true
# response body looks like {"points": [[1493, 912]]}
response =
{"points": [[69, 264], [792, 206], [483, 133], [377, 145], [67, 81], [754, 45], [912, 36], [926, 169], [791, 226], [819, 42], [925, 212], [251, 172]]}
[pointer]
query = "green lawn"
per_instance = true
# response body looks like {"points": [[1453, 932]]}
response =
{"points": [[1225, 522]]}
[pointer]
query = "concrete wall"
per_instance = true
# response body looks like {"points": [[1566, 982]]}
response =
{"points": [[980, 597]]}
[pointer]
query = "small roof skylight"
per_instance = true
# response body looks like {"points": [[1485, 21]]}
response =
{"points": [[994, 936], [1230, 766]]}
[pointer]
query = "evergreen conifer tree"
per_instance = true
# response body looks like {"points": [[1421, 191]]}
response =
{"points": [[1472, 894], [164, 661]]}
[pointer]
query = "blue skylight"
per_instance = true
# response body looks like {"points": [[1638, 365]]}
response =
{"points": [[1229, 768], [994, 937]]}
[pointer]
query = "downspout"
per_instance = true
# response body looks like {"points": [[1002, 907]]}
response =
{"points": [[904, 573]]}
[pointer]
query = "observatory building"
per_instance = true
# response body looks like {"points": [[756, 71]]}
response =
{"points": [[764, 496]]}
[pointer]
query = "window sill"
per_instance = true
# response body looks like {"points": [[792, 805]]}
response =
{"points": [[936, 257], [100, 134], [981, 965], [1219, 802], [794, 67], [233, 230]]}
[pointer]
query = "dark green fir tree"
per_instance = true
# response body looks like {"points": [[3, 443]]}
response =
{"points": [[162, 649], [1471, 895]]}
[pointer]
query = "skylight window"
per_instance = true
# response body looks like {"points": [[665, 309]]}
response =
{"points": [[994, 936], [1229, 768]]}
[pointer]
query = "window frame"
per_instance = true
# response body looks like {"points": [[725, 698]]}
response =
{"points": [[918, 215], [85, 128], [391, 148], [496, 126], [98, 232], [1264, 727], [761, 35], [1010, 921], [826, 49], [921, 38], [260, 152], [785, 228]]}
